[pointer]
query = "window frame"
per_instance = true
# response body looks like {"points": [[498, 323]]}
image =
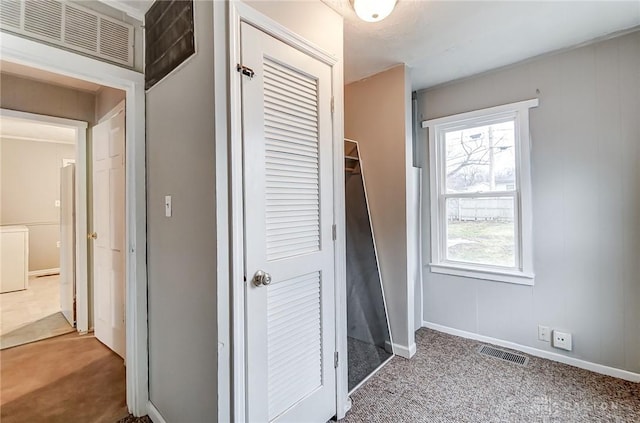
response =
{"points": [[522, 272]]}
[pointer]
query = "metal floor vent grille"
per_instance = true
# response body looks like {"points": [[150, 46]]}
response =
{"points": [[518, 359]]}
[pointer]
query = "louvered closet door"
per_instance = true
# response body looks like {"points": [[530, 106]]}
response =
{"points": [[288, 219]]}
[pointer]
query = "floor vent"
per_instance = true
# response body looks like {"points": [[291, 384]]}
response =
{"points": [[518, 359], [70, 25]]}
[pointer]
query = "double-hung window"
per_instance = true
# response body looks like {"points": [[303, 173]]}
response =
{"points": [[481, 193]]}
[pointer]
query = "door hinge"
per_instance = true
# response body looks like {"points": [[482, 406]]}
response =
{"points": [[246, 71], [334, 232], [333, 105], [336, 360]]}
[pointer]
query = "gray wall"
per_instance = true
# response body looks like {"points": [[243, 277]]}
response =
{"points": [[182, 248], [182, 251], [29, 187], [586, 205]]}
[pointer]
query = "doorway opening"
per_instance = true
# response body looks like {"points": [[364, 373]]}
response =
{"points": [[83, 286], [36, 218]]}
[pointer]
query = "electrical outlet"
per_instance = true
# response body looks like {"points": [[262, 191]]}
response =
{"points": [[56, 204], [58, 244], [544, 333], [562, 340]]}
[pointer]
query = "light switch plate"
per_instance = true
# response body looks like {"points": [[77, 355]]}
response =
{"points": [[167, 205], [544, 333]]}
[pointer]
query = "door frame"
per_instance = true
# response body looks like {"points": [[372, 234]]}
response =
{"points": [[41, 56], [80, 189], [231, 298]]}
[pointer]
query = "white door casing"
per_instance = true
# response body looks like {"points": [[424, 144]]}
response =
{"points": [[67, 243], [288, 198], [109, 232]]}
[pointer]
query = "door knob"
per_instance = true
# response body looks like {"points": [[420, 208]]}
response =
{"points": [[261, 278], [92, 236]]}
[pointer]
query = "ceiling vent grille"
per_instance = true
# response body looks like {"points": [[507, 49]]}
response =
{"points": [[503, 355], [70, 25]]}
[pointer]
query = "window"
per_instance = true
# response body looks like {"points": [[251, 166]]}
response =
{"points": [[481, 194]]}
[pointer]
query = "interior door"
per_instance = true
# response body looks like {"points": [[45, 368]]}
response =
{"points": [[109, 232], [67, 243], [288, 197]]}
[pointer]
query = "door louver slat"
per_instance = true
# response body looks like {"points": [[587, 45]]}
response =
{"points": [[294, 341], [71, 26], [291, 162]]}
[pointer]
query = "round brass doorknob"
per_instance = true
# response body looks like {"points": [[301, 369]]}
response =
{"points": [[92, 235]]}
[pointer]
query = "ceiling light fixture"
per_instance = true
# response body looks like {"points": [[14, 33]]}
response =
{"points": [[373, 10]]}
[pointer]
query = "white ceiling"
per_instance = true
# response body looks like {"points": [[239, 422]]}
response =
{"points": [[446, 40], [29, 130]]}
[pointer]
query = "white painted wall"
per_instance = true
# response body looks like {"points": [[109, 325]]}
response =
{"points": [[586, 205]]}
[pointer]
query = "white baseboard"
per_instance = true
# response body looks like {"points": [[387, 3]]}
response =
{"points": [[403, 351], [154, 414], [576, 362], [45, 272]]}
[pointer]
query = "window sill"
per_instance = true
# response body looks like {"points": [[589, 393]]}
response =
{"points": [[519, 278]]}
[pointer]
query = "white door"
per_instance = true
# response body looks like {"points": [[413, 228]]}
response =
{"points": [[288, 197], [108, 232], [67, 243]]}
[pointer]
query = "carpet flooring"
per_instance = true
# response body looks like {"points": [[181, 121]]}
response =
{"points": [[448, 381], [70, 378], [363, 358]]}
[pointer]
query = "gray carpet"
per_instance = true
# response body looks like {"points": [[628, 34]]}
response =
{"points": [[363, 359], [447, 381]]}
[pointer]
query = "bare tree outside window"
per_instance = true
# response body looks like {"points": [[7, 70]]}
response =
{"points": [[480, 192], [481, 160]]}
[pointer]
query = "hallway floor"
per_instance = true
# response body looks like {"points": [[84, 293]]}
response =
{"points": [[32, 314], [70, 378]]}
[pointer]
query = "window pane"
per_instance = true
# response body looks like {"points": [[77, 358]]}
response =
{"points": [[481, 159], [481, 230]]}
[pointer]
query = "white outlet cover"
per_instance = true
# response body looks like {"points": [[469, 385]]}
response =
{"points": [[562, 340]]}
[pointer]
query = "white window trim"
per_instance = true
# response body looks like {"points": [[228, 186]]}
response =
{"points": [[523, 273]]}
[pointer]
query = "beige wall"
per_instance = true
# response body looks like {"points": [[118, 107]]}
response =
{"points": [[377, 112], [586, 205], [32, 96], [107, 99], [29, 187]]}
